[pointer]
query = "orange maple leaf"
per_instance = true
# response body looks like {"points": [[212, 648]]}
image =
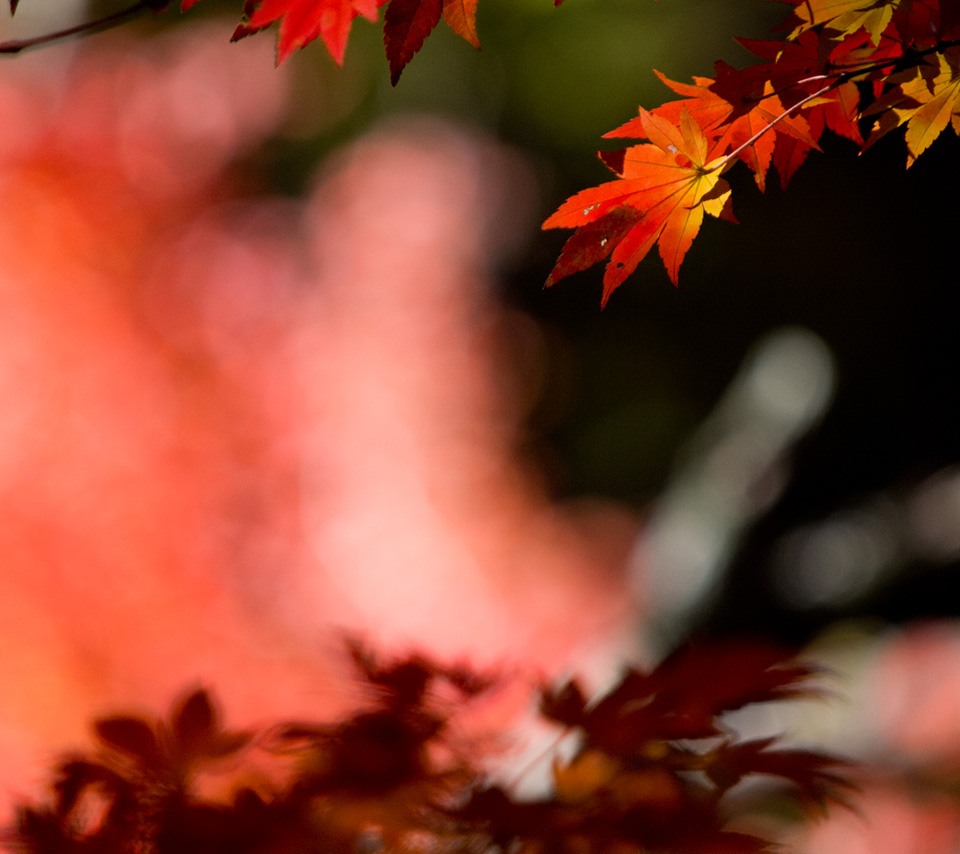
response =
{"points": [[461, 17], [730, 114], [665, 187]]}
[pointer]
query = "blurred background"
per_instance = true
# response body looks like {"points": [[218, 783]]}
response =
{"points": [[276, 363]]}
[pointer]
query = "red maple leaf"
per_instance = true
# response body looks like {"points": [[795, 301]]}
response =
{"points": [[408, 23], [732, 110], [796, 70], [302, 21], [666, 187]]}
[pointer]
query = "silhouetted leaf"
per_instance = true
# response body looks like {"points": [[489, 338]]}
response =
{"points": [[194, 721], [405, 26], [565, 706], [814, 774], [132, 736], [642, 781]]}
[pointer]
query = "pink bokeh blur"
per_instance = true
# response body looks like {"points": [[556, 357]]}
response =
{"points": [[904, 723], [234, 426]]}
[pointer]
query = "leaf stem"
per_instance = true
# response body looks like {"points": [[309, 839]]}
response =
{"points": [[729, 157], [15, 46]]}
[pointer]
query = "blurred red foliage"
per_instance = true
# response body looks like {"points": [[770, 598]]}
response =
{"points": [[232, 425], [393, 776]]}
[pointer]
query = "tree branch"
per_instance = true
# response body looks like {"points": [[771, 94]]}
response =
{"points": [[729, 157], [15, 46]]}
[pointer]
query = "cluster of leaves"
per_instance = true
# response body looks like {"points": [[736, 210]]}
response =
{"points": [[407, 23], [655, 770], [375, 777], [859, 68]]}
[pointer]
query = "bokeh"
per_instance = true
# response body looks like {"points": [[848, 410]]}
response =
{"points": [[242, 426]]}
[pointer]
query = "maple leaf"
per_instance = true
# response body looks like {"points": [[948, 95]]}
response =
{"points": [[731, 110], [920, 22], [461, 17], [668, 182], [386, 748], [139, 779], [656, 761], [580, 778], [707, 107], [926, 98], [752, 113], [651, 773], [408, 23], [845, 16], [683, 696], [796, 69], [813, 774], [302, 21], [193, 735]]}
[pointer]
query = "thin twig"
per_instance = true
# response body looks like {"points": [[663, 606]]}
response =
{"points": [[904, 61], [775, 93], [15, 46], [723, 163], [844, 71]]}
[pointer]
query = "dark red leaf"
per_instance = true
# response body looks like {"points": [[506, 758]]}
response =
{"points": [[406, 24], [613, 160], [683, 697], [592, 243], [402, 682], [814, 774], [566, 705], [194, 721], [132, 736]]}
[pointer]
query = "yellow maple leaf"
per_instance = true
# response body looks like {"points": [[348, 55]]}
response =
{"points": [[926, 99], [845, 17], [584, 776]]}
